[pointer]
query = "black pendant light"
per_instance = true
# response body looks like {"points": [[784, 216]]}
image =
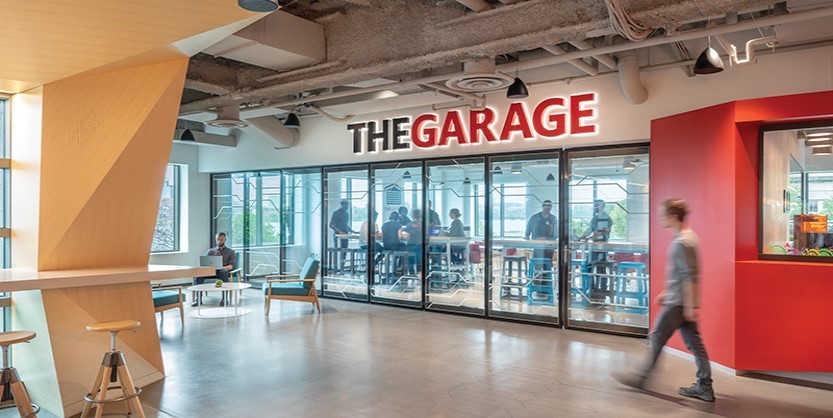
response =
{"points": [[708, 62], [292, 121], [258, 5], [517, 90]]}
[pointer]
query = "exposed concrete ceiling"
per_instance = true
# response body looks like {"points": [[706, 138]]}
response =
{"points": [[412, 39]]}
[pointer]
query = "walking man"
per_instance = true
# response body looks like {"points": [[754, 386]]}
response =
{"points": [[679, 302]]}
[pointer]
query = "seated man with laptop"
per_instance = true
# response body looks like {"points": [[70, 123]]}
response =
{"points": [[222, 259]]}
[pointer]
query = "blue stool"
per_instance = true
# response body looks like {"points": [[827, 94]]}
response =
{"points": [[579, 299], [622, 292], [541, 283]]}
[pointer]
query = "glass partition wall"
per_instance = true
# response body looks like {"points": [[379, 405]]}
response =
{"points": [[524, 246], [607, 229], [553, 237], [455, 222], [352, 233], [302, 219], [397, 197]]}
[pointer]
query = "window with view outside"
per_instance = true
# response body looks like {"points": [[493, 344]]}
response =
{"points": [[166, 234], [797, 192]]}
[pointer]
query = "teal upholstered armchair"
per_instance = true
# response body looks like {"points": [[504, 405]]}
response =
{"points": [[164, 299], [298, 287]]}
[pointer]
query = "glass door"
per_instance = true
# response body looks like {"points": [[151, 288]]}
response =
{"points": [[608, 261], [524, 237], [301, 219], [229, 214], [397, 197], [263, 207], [455, 224], [351, 233]]}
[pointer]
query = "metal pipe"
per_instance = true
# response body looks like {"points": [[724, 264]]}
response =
{"points": [[580, 64], [607, 60]]}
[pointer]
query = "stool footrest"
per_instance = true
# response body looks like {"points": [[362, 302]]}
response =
{"points": [[88, 397]]}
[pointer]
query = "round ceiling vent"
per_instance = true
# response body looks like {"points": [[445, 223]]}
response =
{"points": [[479, 82], [227, 123], [228, 118]]}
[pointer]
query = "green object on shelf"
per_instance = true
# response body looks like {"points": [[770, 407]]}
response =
{"points": [[778, 249], [825, 252], [218, 283]]}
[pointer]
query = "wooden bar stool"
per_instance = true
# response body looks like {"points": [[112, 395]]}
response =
{"points": [[11, 387], [113, 370]]}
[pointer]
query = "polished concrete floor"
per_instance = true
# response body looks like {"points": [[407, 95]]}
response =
{"points": [[358, 360]]}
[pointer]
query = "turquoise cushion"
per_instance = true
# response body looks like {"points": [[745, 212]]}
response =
{"points": [[286, 289], [164, 297]]}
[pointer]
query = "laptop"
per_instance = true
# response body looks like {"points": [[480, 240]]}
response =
{"points": [[215, 261]]}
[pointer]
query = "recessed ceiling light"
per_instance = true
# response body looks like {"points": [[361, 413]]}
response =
{"points": [[828, 150], [822, 143], [816, 134]]}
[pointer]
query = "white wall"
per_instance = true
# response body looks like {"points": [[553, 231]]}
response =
{"points": [[195, 216], [324, 142]]}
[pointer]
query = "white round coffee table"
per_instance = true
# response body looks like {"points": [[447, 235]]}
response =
{"points": [[229, 311]]}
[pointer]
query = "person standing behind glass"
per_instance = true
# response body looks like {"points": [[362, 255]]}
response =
{"points": [[340, 223], [403, 216], [599, 231], [543, 226]]}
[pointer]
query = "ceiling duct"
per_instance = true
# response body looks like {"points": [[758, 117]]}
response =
{"points": [[270, 130], [229, 117], [479, 76]]}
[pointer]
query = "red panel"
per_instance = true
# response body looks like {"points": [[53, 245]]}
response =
{"points": [[693, 157], [756, 315], [747, 202], [783, 320]]}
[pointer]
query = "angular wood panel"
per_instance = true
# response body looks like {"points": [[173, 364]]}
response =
{"points": [[106, 142]]}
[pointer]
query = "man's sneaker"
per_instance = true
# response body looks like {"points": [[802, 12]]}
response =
{"points": [[696, 390], [633, 380]]}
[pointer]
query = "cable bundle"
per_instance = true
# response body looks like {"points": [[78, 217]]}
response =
{"points": [[623, 23]]}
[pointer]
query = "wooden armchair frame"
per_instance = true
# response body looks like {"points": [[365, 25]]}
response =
{"points": [[175, 305], [311, 297]]}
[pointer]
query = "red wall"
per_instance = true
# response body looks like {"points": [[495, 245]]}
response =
{"points": [[756, 315], [691, 159]]}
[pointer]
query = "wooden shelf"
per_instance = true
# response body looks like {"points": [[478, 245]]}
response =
{"points": [[20, 279]]}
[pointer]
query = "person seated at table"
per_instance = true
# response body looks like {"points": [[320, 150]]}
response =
{"points": [[413, 235], [392, 233], [403, 216], [456, 230], [543, 226], [364, 237], [221, 273]]}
